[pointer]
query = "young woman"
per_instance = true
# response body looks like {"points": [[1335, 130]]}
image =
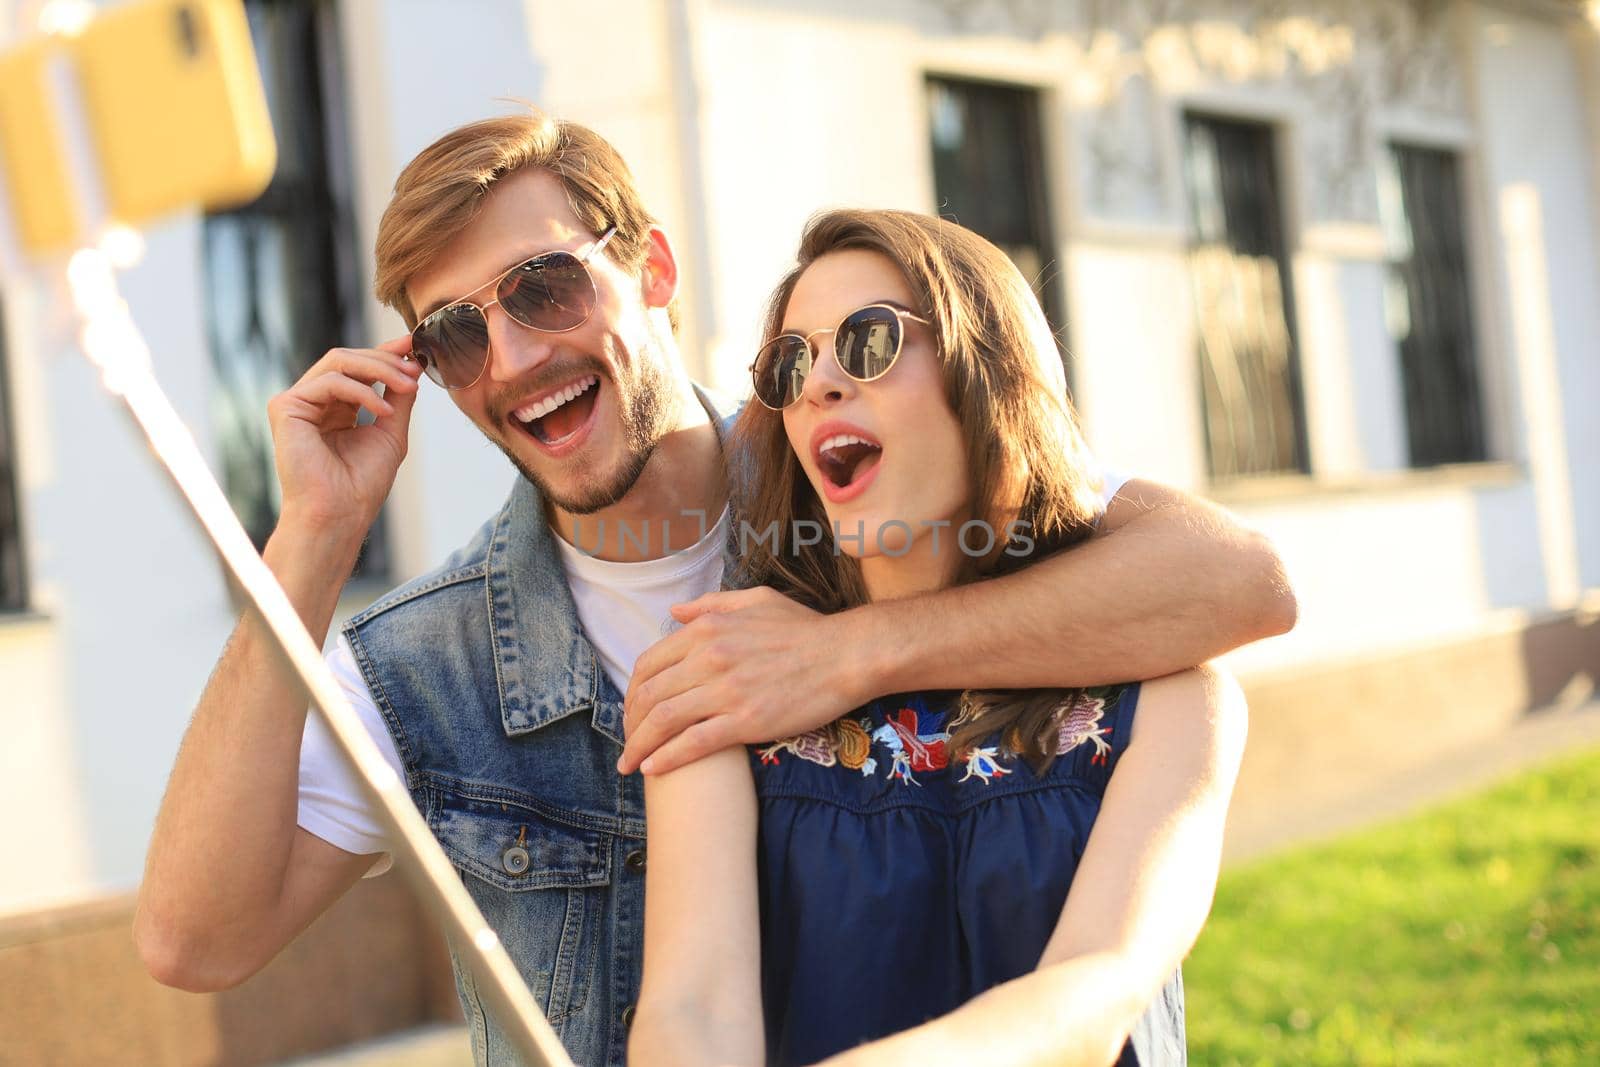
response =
{"points": [[939, 877]]}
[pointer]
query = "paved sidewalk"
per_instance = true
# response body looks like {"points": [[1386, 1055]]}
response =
{"points": [[433, 1046], [1393, 792]]}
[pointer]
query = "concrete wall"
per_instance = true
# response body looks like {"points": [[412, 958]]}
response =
{"points": [[75, 992], [1539, 186], [130, 605]]}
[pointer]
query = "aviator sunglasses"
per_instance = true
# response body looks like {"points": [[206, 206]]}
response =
{"points": [[553, 293], [865, 344]]}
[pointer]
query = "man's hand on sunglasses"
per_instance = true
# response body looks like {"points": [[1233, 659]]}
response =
{"points": [[334, 472], [747, 666]]}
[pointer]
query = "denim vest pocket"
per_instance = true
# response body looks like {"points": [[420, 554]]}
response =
{"points": [[532, 875], [517, 848]]}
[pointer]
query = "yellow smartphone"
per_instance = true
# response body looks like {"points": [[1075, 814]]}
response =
{"points": [[176, 117], [176, 106], [43, 209]]}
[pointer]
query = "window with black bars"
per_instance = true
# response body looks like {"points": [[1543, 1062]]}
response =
{"points": [[988, 175], [1428, 304], [1238, 268], [282, 273], [13, 572]]}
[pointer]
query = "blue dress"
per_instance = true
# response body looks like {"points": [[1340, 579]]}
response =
{"points": [[899, 882]]}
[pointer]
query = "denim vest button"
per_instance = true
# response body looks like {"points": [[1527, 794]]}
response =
{"points": [[515, 860], [635, 860], [627, 1015]]}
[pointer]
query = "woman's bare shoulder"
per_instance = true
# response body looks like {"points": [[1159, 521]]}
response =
{"points": [[1201, 709]]}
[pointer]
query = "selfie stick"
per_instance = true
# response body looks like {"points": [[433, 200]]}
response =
{"points": [[112, 342]]}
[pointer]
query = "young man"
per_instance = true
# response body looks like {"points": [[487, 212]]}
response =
{"points": [[496, 682]]}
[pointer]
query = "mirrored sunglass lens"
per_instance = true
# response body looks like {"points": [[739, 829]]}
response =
{"points": [[867, 342], [452, 345], [552, 292], [781, 369]]}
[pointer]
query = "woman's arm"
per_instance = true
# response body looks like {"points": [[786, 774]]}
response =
{"points": [[700, 1002], [1138, 901]]}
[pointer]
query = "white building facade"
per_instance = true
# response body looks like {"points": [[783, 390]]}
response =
{"points": [[1335, 265]]}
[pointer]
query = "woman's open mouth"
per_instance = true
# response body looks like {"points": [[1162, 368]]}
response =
{"points": [[847, 462], [559, 419]]}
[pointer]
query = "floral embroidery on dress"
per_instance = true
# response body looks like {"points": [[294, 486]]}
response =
{"points": [[844, 741], [910, 749], [855, 746], [814, 745], [919, 741], [1082, 723], [984, 763]]}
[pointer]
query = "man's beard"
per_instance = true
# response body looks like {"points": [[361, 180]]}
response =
{"points": [[648, 409]]}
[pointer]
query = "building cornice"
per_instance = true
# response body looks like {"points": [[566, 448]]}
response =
{"points": [[1561, 10]]}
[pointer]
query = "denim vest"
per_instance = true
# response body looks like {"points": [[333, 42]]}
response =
{"points": [[509, 731]]}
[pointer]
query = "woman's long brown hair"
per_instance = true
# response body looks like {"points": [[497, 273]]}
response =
{"points": [[1026, 457]]}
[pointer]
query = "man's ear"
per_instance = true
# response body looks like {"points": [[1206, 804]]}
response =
{"points": [[659, 275]]}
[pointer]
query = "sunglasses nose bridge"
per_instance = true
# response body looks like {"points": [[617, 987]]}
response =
{"points": [[827, 380], [513, 348]]}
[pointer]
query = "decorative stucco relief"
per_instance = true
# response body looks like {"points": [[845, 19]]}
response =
{"points": [[1016, 18], [1343, 65], [1376, 56]]}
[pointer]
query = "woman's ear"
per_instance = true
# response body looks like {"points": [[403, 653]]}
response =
{"points": [[659, 275]]}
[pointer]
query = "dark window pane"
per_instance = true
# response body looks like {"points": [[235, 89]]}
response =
{"points": [[1429, 306], [988, 175], [13, 575], [282, 273], [1249, 368]]}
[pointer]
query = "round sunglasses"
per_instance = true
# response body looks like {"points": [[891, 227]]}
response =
{"points": [[553, 292], [865, 345]]}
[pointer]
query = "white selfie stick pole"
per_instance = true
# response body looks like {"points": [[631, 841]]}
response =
{"points": [[112, 342]]}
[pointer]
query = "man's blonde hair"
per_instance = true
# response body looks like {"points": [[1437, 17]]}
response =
{"points": [[440, 192]]}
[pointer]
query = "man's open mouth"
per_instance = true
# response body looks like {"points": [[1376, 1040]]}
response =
{"points": [[845, 458], [560, 414]]}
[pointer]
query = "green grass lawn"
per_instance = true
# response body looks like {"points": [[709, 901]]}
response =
{"points": [[1468, 935]]}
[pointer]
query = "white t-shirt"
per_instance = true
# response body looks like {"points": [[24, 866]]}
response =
{"points": [[623, 609]]}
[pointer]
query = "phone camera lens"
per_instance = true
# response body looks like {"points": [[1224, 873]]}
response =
{"points": [[188, 33]]}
